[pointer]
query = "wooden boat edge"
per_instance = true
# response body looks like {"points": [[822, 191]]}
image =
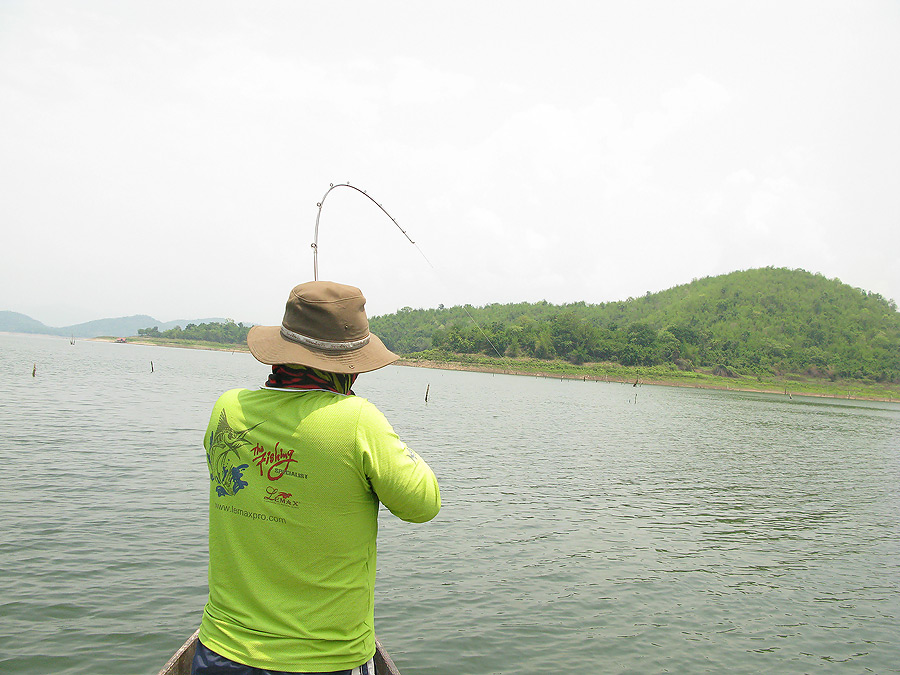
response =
{"points": [[384, 665], [180, 663]]}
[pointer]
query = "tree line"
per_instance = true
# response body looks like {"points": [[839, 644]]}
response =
{"points": [[762, 321], [224, 333]]}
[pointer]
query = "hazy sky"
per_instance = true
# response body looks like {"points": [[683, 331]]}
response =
{"points": [[166, 158]]}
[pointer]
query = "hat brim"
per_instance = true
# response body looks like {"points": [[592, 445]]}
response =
{"points": [[269, 347]]}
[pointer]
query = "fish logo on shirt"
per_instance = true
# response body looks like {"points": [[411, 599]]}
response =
{"points": [[222, 457]]}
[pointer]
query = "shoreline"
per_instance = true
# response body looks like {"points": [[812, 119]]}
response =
{"points": [[141, 341], [476, 368], [780, 389]]}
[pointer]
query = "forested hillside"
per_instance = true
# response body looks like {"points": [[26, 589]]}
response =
{"points": [[760, 321], [227, 332]]}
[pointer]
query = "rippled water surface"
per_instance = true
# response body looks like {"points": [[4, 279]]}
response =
{"points": [[586, 526]]}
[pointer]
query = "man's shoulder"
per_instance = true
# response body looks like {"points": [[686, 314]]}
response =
{"points": [[263, 396], [230, 395], [370, 416]]}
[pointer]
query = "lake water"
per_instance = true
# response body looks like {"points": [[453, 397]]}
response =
{"points": [[586, 527]]}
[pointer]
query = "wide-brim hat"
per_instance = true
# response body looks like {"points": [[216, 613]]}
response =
{"points": [[324, 327]]}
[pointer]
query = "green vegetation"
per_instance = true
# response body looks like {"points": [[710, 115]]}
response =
{"points": [[758, 325], [768, 329], [227, 333]]}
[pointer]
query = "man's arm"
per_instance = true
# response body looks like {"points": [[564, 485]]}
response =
{"points": [[400, 478]]}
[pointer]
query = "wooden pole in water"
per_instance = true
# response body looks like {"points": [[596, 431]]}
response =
{"points": [[33, 370], [151, 366], [426, 392]]}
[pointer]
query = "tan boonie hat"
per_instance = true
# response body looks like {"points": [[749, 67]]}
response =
{"points": [[324, 327]]}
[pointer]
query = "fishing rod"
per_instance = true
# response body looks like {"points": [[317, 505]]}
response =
{"points": [[315, 246]]}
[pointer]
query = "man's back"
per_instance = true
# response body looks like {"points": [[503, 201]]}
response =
{"points": [[295, 481]]}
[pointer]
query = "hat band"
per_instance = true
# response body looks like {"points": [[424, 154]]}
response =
{"points": [[324, 345]]}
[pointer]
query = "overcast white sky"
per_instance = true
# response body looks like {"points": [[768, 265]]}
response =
{"points": [[166, 157]]}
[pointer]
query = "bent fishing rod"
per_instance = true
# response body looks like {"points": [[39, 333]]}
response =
{"points": [[321, 203], [315, 245]]}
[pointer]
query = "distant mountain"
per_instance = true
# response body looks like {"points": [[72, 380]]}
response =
{"points": [[13, 322]]}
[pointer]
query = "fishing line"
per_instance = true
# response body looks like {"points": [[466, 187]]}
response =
{"points": [[315, 247]]}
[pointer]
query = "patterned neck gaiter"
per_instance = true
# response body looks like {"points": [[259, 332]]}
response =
{"points": [[302, 377]]}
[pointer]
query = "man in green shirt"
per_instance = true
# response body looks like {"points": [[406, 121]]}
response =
{"points": [[297, 471]]}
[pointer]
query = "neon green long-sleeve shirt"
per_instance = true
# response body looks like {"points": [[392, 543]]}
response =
{"points": [[295, 482]]}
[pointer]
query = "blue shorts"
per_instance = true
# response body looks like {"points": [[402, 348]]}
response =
{"points": [[207, 662]]}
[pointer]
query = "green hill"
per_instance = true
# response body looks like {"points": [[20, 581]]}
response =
{"points": [[769, 321]]}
